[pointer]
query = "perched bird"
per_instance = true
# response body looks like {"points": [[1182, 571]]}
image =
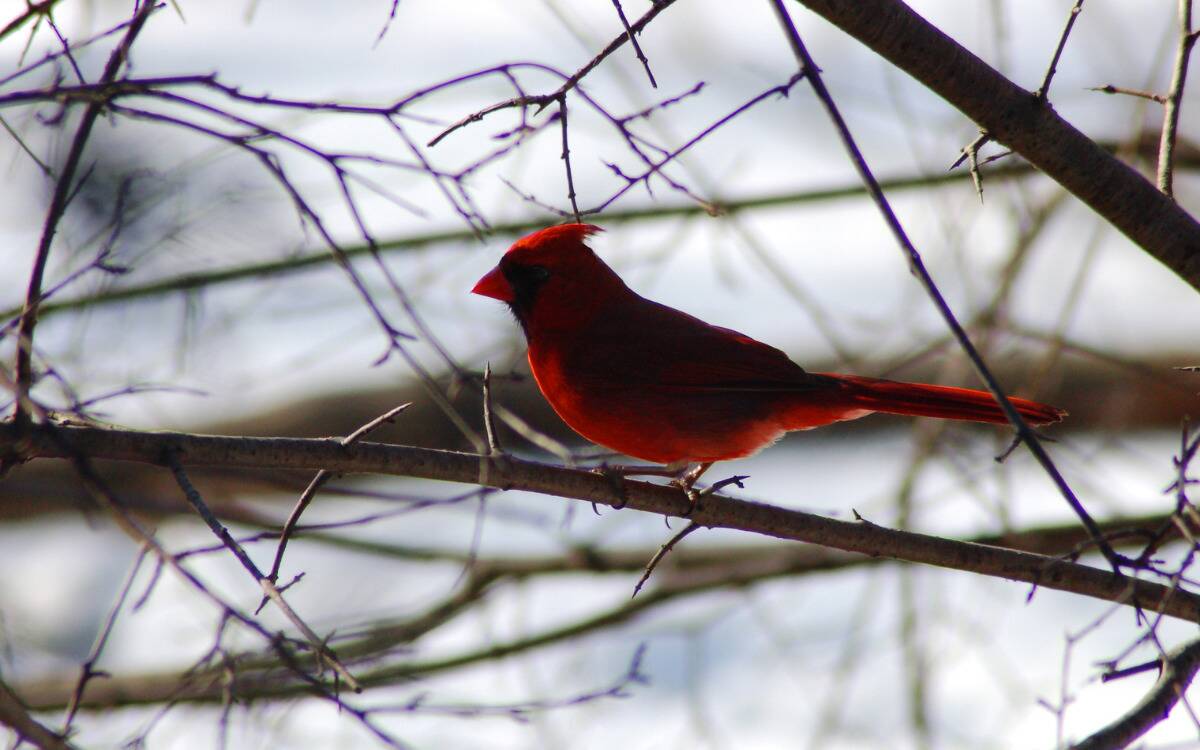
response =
{"points": [[657, 384]]}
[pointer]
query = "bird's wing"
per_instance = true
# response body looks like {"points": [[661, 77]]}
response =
{"points": [[652, 345]]}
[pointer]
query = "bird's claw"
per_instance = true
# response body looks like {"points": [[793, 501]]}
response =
{"points": [[617, 481], [693, 497]]}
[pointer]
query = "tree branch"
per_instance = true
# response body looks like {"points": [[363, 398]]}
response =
{"points": [[511, 473], [1014, 117], [1179, 667], [1174, 100], [305, 261], [63, 189], [1025, 433], [14, 714]]}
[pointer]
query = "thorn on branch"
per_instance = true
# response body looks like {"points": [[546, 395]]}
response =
{"points": [[970, 154], [1111, 89]]}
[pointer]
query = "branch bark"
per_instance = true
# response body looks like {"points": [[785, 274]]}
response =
{"points": [[505, 472], [1017, 119]]}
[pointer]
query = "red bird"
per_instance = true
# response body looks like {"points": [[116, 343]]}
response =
{"points": [[657, 384]]}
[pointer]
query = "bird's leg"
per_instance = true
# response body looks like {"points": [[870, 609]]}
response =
{"points": [[685, 481]]}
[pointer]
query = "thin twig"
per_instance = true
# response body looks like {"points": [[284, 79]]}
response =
{"points": [[663, 551], [489, 426], [637, 49], [542, 101], [268, 586], [1110, 89], [655, 168], [970, 154], [566, 157], [322, 476], [1043, 91], [89, 671], [58, 206], [66, 46], [1174, 103], [388, 24]]}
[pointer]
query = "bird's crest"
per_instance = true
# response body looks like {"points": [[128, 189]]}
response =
{"points": [[561, 237]]}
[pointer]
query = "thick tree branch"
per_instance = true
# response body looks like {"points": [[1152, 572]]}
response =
{"points": [[1017, 119], [511, 473]]}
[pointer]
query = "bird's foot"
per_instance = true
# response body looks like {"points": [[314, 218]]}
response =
{"points": [[693, 497], [616, 480], [686, 482], [616, 473]]}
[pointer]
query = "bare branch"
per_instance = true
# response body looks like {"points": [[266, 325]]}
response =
{"points": [[309, 260], [1179, 667], [1043, 91], [1110, 89], [637, 49], [1015, 118], [268, 586], [63, 188], [541, 101], [320, 479], [14, 714], [1174, 99], [662, 552], [89, 671], [566, 157], [511, 473]]}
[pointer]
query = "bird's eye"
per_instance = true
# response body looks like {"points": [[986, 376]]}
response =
{"points": [[527, 276], [525, 280]]}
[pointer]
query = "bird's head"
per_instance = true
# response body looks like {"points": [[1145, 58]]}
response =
{"points": [[550, 276]]}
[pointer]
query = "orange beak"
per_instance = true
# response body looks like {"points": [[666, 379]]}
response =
{"points": [[494, 285]]}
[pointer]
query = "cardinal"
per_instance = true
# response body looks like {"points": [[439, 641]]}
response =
{"points": [[657, 384]]}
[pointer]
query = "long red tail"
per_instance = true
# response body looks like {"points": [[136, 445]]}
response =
{"points": [[944, 402]]}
